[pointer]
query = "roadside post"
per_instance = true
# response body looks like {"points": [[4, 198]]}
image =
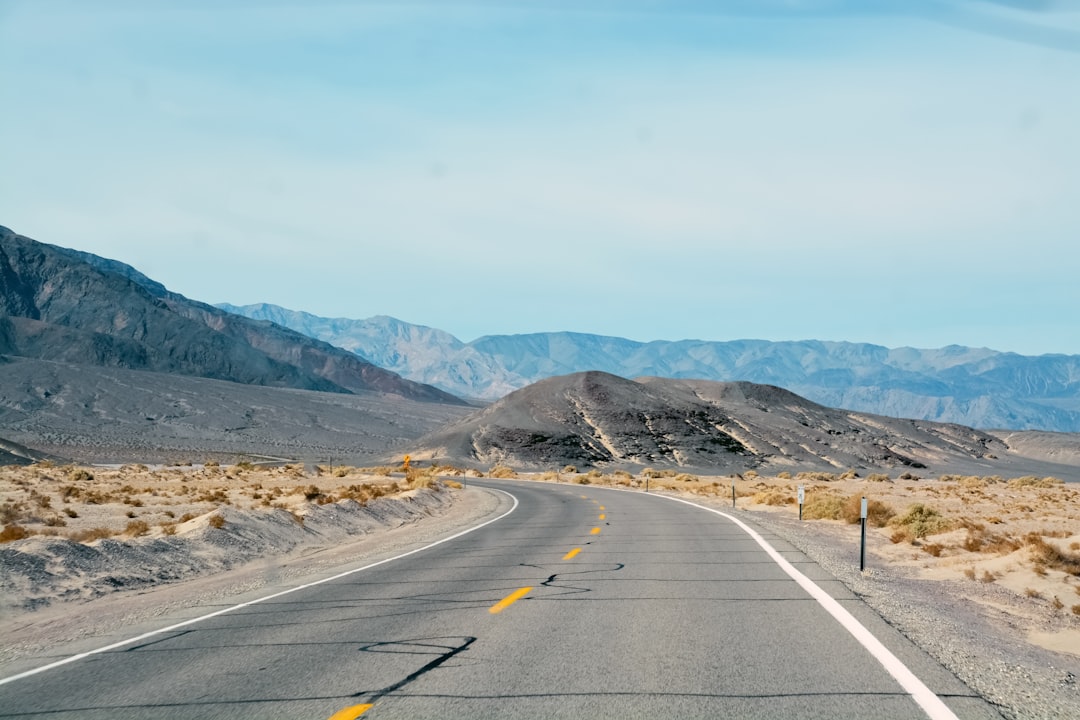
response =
{"points": [[802, 499], [647, 476], [732, 492], [862, 546]]}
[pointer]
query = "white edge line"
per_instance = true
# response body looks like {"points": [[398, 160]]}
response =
{"points": [[931, 704], [305, 586]]}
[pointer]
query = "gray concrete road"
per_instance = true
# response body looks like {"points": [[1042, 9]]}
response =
{"points": [[581, 603]]}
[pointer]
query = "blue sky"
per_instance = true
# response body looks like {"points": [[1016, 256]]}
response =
{"points": [[896, 173]]}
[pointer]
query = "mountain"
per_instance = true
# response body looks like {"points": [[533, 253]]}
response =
{"points": [[597, 419], [970, 386], [114, 415], [68, 306]]}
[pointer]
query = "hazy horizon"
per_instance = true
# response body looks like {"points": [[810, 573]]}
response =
{"points": [[901, 174]]}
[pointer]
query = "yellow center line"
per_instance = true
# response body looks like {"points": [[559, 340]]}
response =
{"points": [[570, 555], [584, 497], [595, 531], [603, 516], [351, 713], [509, 600], [603, 508]]}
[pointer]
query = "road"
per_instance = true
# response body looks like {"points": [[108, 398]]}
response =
{"points": [[580, 603]]}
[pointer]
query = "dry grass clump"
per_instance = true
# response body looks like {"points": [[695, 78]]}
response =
{"points": [[917, 522], [815, 476], [502, 471], [829, 506], [137, 528], [215, 521], [1035, 482], [773, 497], [91, 534], [13, 532], [1051, 556], [877, 477], [570, 470], [686, 477], [453, 484]]}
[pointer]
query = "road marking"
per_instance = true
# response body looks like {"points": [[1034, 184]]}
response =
{"points": [[930, 703], [351, 713], [192, 621], [509, 600], [603, 508], [595, 531], [603, 516], [585, 497], [572, 554]]}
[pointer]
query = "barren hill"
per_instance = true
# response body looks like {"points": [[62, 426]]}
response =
{"points": [[595, 418]]}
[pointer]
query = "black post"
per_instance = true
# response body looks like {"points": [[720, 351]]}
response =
{"points": [[646, 483], [862, 545], [732, 493]]}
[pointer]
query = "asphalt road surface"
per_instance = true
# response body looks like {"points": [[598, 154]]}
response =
{"points": [[580, 603]]}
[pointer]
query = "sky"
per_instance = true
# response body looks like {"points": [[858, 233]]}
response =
{"points": [[899, 173]]}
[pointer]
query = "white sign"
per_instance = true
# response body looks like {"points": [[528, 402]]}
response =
{"points": [[863, 511], [802, 494]]}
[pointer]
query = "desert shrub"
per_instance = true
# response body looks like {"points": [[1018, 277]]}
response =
{"points": [[622, 474], [136, 528], [877, 477], [969, 573], [749, 474], [582, 480], [11, 512], [1056, 603], [71, 513], [784, 475], [849, 475], [211, 464], [1075, 609], [79, 475], [773, 497], [987, 577], [311, 492], [823, 506], [242, 465], [84, 536], [422, 481], [816, 476], [570, 469], [453, 484], [920, 521], [1034, 482], [878, 513], [501, 471], [685, 477], [934, 549], [187, 516], [55, 521], [215, 521], [13, 532], [1032, 593], [1052, 556], [909, 476], [168, 528]]}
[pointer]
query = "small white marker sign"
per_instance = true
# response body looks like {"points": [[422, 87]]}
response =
{"points": [[802, 494], [863, 511]]}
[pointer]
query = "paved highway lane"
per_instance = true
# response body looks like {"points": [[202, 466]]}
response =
{"points": [[581, 603]]}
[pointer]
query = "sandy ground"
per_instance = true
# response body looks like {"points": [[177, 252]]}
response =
{"points": [[997, 560]]}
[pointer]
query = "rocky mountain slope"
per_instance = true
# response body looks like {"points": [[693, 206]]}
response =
{"points": [[976, 387], [68, 306], [598, 419], [114, 415]]}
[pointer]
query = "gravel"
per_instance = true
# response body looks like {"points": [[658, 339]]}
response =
{"points": [[985, 647]]}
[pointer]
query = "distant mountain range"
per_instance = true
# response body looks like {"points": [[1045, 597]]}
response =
{"points": [[975, 387]]}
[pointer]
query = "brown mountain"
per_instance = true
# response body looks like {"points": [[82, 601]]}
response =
{"points": [[64, 305]]}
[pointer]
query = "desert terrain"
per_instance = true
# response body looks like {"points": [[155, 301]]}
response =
{"points": [[994, 560]]}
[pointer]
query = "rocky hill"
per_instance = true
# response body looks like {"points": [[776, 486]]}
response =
{"points": [[976, 387], [63, 305], [597, 419]]}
